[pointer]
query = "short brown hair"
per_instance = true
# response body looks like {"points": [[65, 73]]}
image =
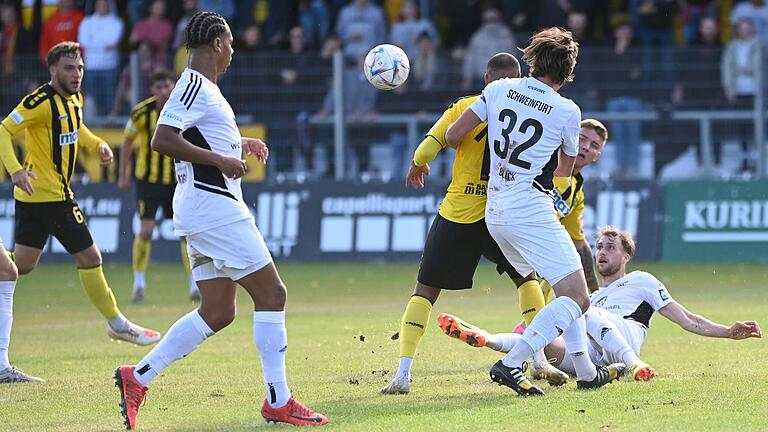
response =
{"points": [[596, 126], [627, 242], [552, 53], [161, 75], [63, 49], [503, 65]]}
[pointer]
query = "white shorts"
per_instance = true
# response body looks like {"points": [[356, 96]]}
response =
{"points": [[633, 332], [230, 251], [543, 246]]}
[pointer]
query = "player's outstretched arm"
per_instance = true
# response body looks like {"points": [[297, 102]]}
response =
{"points": [[699, 325], [168, 141], [565, 164], [456, 131]]}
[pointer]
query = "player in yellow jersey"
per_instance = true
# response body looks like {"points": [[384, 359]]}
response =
{"points": [[52, 120], [459, 236], [155, 179]]}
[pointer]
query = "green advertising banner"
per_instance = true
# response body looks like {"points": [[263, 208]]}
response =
{"points": [[716, 221]]}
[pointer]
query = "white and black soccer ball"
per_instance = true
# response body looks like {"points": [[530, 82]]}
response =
{"points": [[386, 67]]}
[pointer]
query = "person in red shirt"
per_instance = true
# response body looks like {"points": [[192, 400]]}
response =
{"points": [[59, 27], [8, 35]]}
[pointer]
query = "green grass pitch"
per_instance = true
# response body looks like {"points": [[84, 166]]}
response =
{"points": [[341, 318]]}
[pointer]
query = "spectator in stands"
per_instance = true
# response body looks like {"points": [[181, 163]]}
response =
{"points": [[653, 24], [461, 18], [59, 27], [740, 64], [249, 39], [406, 32], [424, 62], [49, 7], [360, 27], [99, 36], [699, 68], [577, 23], [297, 62], [708, 33], [279, 21], [359, 95], [756, 12], [626, 73], [694, 11], [225, 8], [8, 36], [147, 65], [520, 16], [491, 38], [179, 39], [315, 19], [155, 31]]}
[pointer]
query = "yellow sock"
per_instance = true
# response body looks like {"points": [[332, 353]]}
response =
{"points": [[11, 255], [546, 289], [141, 251], [185, 257], [531, 300], [98, 291], [413, 325]]}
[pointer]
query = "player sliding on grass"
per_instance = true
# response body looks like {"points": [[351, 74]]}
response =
{"points": [[197, 128], [52, 120], [458, 236], [528, 122], [619, 315]]}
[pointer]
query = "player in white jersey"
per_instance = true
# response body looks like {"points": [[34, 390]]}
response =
{"points": [[197, 128], [528, 121], [8, 275], [621, 312]]}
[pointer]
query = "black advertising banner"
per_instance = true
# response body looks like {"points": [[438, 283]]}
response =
{"points": [[343, 221]]}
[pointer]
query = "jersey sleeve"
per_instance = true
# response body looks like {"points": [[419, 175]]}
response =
{"points": [[88, 139], [656, 293], [573, 222], [570, 134], [133, 125], [437, 132], [185, 106], [480, 107], [30, 112]]}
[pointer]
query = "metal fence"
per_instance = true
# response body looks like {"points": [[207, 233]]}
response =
{"points": [[665, 110]]}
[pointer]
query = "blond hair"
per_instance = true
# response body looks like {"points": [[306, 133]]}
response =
{"points": [[627, 242], [596, 126]]}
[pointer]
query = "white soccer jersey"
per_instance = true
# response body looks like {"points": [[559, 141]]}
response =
{"points": [[636, 296], [204, 197], [527, 122]]}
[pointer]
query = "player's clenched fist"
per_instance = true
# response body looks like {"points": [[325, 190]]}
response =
{"points": [[231, 167], [105, 154]]}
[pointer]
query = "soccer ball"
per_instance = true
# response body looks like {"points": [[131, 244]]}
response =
{"points": [[386, 67]]}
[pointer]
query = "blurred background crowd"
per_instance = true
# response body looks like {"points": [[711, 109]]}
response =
{"points": [[641, 59]]}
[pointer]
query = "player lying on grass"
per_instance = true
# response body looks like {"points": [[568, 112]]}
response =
{"points": [[619, 315]]}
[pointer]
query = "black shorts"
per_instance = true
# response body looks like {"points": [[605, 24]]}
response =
{"points": [[35, 222], [151, 196], [452, 252]]}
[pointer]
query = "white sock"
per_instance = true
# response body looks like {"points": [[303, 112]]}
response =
{"points": [[180, 340], [539, 356], [548, 324], [609, 337], [575, 337], [119, 323], [502, 342], [6, 320], [404, 368], [138, 280], [272, 342]]}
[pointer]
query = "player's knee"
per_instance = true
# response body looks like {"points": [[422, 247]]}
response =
{"points": [[221, 318], [145, 235], [279, 296], [24, 268]]}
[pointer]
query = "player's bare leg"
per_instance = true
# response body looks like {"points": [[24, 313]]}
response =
{"points": [[269, 294], [412, 327], [94, 283], [26, 258], [142, 247], [8, 276]]}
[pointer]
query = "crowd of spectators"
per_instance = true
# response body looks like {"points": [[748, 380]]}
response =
{"points": [[634, 52]]}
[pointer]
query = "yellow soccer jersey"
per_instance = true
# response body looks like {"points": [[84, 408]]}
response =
{"points": [[465, 200], [151, 166], [53, 128], [569, 202]]}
